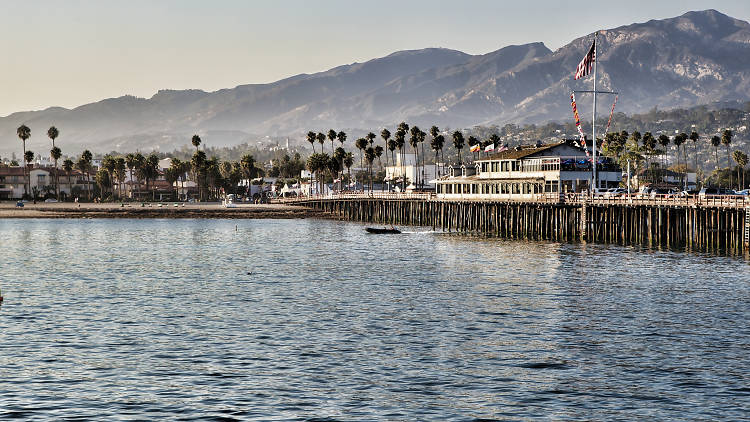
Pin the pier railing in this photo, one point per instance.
(709, 201)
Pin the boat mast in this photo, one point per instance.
(593, 122)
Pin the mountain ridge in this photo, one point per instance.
(697, 58)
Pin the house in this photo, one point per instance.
(41, 182)
(526, 171)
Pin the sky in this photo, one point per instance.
(69, 53)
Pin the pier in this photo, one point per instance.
(711, 224)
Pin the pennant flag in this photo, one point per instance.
(584, 67)
(489, 148)
(474, 148)
(582, 142)
(611, 113)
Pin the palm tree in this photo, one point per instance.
(741, 159)
(458, 143)
(726, 139)
(103, 180)
(379, 152)
(198, 167)
(321, 137)
(694, 137)
(56, 153)
(120, 174)
(68, 167)
(348, 161)
(332, 137)
(87, 156)
(370, 157)
(386, 135)
(196, 141)
(108, 164)
(24, 133)
(392, 145)
(53, 133)
(151, 171)
(339, 154)
(716, 141)
(414, 142)
(311, 138)
(437, 145)
(130, 164)
(400, 141)
(361, 145)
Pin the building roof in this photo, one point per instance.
(522, 151)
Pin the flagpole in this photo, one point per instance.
(593, 123)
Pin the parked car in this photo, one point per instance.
(665, 192)
(713, 191)
(19, 204)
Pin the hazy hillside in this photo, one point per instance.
(698, 58)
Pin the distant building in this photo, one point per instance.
(421, 176)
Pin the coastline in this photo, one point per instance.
(153, 210)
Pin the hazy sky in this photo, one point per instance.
(68, 53)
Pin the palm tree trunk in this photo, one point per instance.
(729, 167)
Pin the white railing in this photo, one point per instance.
(712, 201)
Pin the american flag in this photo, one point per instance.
(584, 67)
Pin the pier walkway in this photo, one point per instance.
(713, 223)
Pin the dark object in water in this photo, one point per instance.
(374, 230)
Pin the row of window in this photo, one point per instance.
(515, 165)
(497, 188)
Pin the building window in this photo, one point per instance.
(515, 166)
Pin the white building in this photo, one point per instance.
(526, 171)
(422, 175)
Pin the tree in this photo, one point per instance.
(386, 135)
(339, 156)
(694, 137)
(401, 131)
(726, 139)
(437, 145)
(361, 145)
(321, 137)
(332, 137)
(414, 142)
(716, 141)
(102, 179)
(84, 166)
(120, 174)
(741, 159)
(68, 167)
(24, 133)
(151, 171)
(130, 164)
(53, 133)
(196, 141)
(458, 143)
(311, 137)
(378, 153)
(108, 164)
(56, 153)
(28, 157)
(370, 157)
(348, 161)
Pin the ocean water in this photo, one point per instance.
(316, 320)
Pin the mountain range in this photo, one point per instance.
(700, 57)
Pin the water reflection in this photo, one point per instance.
(300, 319)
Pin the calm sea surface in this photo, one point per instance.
(316, 320)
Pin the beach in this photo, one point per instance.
(8, 209)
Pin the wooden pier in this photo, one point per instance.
(709, 227)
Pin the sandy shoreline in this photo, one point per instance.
(152, 210)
